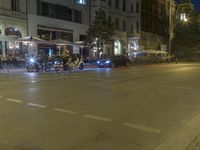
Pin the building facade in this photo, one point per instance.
(125, 15)
(156, 24)
(58, 19)
(139, 24)
(184, 9)
(13, 24)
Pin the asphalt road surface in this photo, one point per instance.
(135, 108)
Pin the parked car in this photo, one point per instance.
(118, 60)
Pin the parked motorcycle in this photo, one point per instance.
(34, 65)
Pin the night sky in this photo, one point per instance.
(196, 4)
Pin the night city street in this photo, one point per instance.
(134, 108)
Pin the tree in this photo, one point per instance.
(99, 32)
(186, 43)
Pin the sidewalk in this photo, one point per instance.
(195, 144)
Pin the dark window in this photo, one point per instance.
(15, 5)
(63, 12)
(110, 3)
(137, 27)
(124, 25)
(109, 19)
(131, 28)
(1, 48)
(137, 7)
(77, 16)
(117, 4)
(82, 37)
(131, 7)
(124, 5)
(116, 23)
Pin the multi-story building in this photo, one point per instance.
(125, 15)
(13, 23)
(58, 19)
(156, 19)
(184, 9)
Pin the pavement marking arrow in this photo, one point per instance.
(140, 127)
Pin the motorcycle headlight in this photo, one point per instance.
(32, 60)
(107, 62)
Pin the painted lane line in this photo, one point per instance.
(98, 118)
(142, 128)
(13, 100)
(65, 111)
(185, 88)
(166, 86)
(36, 105)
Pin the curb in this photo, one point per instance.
(183, 138)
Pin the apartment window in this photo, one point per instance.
(137, 27)
(124, 5)
(116, 23)
(137, 7)
(124, 25)
(117, 4)
(131, 7)
(77, 16)
(110, 3)
(131, 28)
(15, 5)
(109, 19)
(81, 2)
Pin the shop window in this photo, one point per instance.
(11, 31)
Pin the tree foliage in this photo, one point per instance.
(100, 32)
(187, 37)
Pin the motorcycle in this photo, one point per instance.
(74, 62)
(34, 65)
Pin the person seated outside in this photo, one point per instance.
(65, 56)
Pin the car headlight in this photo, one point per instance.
(107, 62)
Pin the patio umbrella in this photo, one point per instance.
(60, 42)
(31, 39)
(7, 38)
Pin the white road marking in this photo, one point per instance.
(13, 100)
(166, 86)
(65, 110)
(98, 118)
(186, 88)
(140, 127)
(36, 105)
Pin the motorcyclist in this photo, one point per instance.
(42, 59)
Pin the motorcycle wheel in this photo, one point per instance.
(30, 68)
